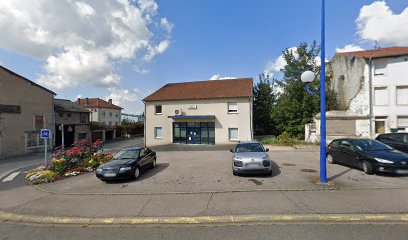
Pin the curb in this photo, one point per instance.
(211, 192)
(274, 218)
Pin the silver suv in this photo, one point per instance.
(250, 157)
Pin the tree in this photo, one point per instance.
(263, 103)
(294, 106)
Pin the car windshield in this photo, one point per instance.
(370, 145)
(126, 154)
(249, 147)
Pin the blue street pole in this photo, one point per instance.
(323, 174)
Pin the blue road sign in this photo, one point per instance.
(45, 133)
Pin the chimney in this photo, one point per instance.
(110, 102)
(87, 101)
(78, 101)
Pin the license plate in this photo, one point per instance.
(253, 164)
(109, 174)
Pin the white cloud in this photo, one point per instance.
(78, 96)
(155, 50)
(279, 63)
(84, 9)
(140, 70)
(120, 96)
(218, 77)
(81, 43)
(168, 26)
(377, 22)
(349, 48)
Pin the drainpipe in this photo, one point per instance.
(370, 85)
(53, 123)
(144, 123)
(251, 118)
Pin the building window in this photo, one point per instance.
(194, 132)
(233, 134)
(380, 67)
(380, 125)
(158, 132)
(110, 123)
(38, 122)
(402, 122)
(61, 115)
(110, 114)
(381, 96)
(117, 115)
(84, 118)
(81, 136)
(69, 115)
(232, 107)
(34, 140)
(158, 109)
(402, 95)
(103, 114)
(116, 123)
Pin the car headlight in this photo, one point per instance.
(380, 160)
(99, 170)
(124, 169)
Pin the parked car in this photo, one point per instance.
(250, 157)
(369, 155)
(127, 163)
(398, 141)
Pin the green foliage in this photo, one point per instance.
(263, 103)
(284, 139)
(294, 106)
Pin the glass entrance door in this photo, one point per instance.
(193, 135)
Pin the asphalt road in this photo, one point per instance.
(259, 231)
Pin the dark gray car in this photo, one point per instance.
(250, 157)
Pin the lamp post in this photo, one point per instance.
(307, 77)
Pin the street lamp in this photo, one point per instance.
(307, 77)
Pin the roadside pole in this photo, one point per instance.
(45, 134)
(62, 134)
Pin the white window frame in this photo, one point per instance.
(396, 95)
(155, 110)
(231, 108)
(155, 133)
(229, 134)
(398, 121)
(380, 67)
(34, 123)
(388, 95)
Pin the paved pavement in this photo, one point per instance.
(200, 183)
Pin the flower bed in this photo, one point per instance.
(82, 158)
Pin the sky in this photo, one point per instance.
(127, 49)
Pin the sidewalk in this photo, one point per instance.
(27, 200)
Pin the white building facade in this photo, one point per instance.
(207, 112)
(372, 93)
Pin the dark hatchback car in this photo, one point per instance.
(127, 164)
(369, 155)
(398, 141)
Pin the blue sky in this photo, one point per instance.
(180, 40)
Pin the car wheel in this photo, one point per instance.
(136, 174)
(330, 159)
(153, 163)
(270, 173)
(235, 173)
(368, 168)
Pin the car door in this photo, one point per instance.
(142, 157)
(346, 154)
(149, 156)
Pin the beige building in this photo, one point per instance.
(213, 112)
(25, 109)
